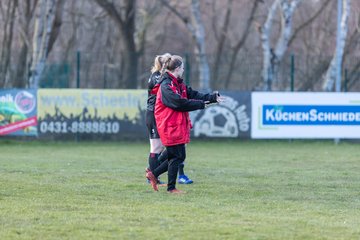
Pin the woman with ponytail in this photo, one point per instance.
(158, 152)
(173, 102)
(157, 155)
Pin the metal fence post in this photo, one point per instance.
(78, 69)
(77, 82)
(187, 69)
(292, 72)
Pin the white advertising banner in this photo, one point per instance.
(305, 115)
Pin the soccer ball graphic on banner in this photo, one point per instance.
(217, 121)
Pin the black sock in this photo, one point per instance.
(153, 161)
(181, 169)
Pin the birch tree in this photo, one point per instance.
(7, 13)
(198, 34)
(272, 56)
(353, 46)
(26, 11)
(336, 62)
(196, 28)
(47, 27)
(311, 38)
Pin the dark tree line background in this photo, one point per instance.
(230, 44)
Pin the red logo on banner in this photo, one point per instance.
(13, 127)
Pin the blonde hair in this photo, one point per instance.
(159, 62)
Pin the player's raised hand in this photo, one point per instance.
(219, 98)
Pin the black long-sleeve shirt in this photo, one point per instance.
(173, 96)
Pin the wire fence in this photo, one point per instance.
(98, 70)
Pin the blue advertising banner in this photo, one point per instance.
(310, 115)
(18, 112)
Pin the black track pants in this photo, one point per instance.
(176, 155)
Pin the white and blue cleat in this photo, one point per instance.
(183, 179)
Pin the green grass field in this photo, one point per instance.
(241, 190)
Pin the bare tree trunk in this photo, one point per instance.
(56, 24)
(26, 11)
(353, 76)
(240, 44)
(287, 12)
(272, 57)
(43, 33)
(309, 21)
(265, 42)
(7, 41)
(20, 75)
(198, 33)
(353, 73)
(125, 21)
(330, 76)
(196, 29)
(74, 20)
(221, 40)
(131, 54)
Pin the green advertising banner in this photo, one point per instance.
(89, 112)
(18, 112)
